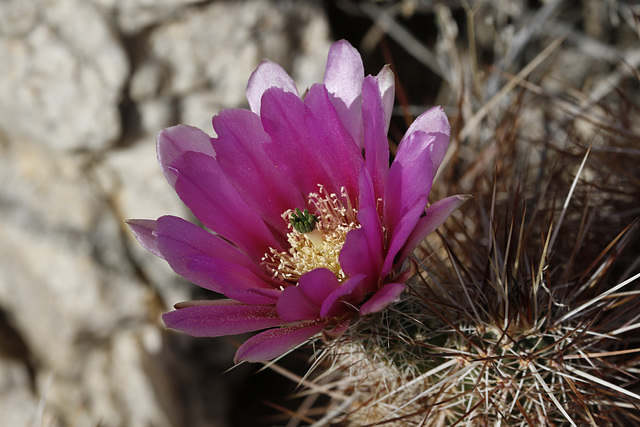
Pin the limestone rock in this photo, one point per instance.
(136, 15)
(84, 88)
(62, 75)
(210, 52)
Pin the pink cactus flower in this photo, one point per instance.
(310, 226)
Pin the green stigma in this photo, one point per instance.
(303, 222)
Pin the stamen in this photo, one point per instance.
(315, 239)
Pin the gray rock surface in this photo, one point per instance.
(84, 88)
(62, 77)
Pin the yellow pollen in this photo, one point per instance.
(321, 247)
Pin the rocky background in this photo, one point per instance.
(85, 85)
(84, 88)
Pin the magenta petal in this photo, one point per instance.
(252, 295)
(232, 280)
(303, 302)
(400, 235)
(294, 305)
(318, 284)
(343, 78)
(410, 177)
(435, 215)
(213, 200)
(174, 230)
(387, 87)
(242, 158)
(345, 298)
(362, 252)
(222, 318)
(274, 342)
(211, 262)
(333, 145)
(143, 231)
(174, 141)
(289, 149)
(354, 256)
(432, 122)
(205, 259)
(386, 295)
(267, 75)
(376, 146)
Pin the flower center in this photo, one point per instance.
(316, 239)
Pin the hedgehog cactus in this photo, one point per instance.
(512, 333)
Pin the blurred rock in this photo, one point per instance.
(113, 376)
(66, 281)
(18, 405)
(85, 89)
(61, 77)
(135, 15)
(210, 52)
(146, 82)
(17, 17)
(61, 253)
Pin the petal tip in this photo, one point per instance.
(385, 296)
(143, 230)
(268, 74)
